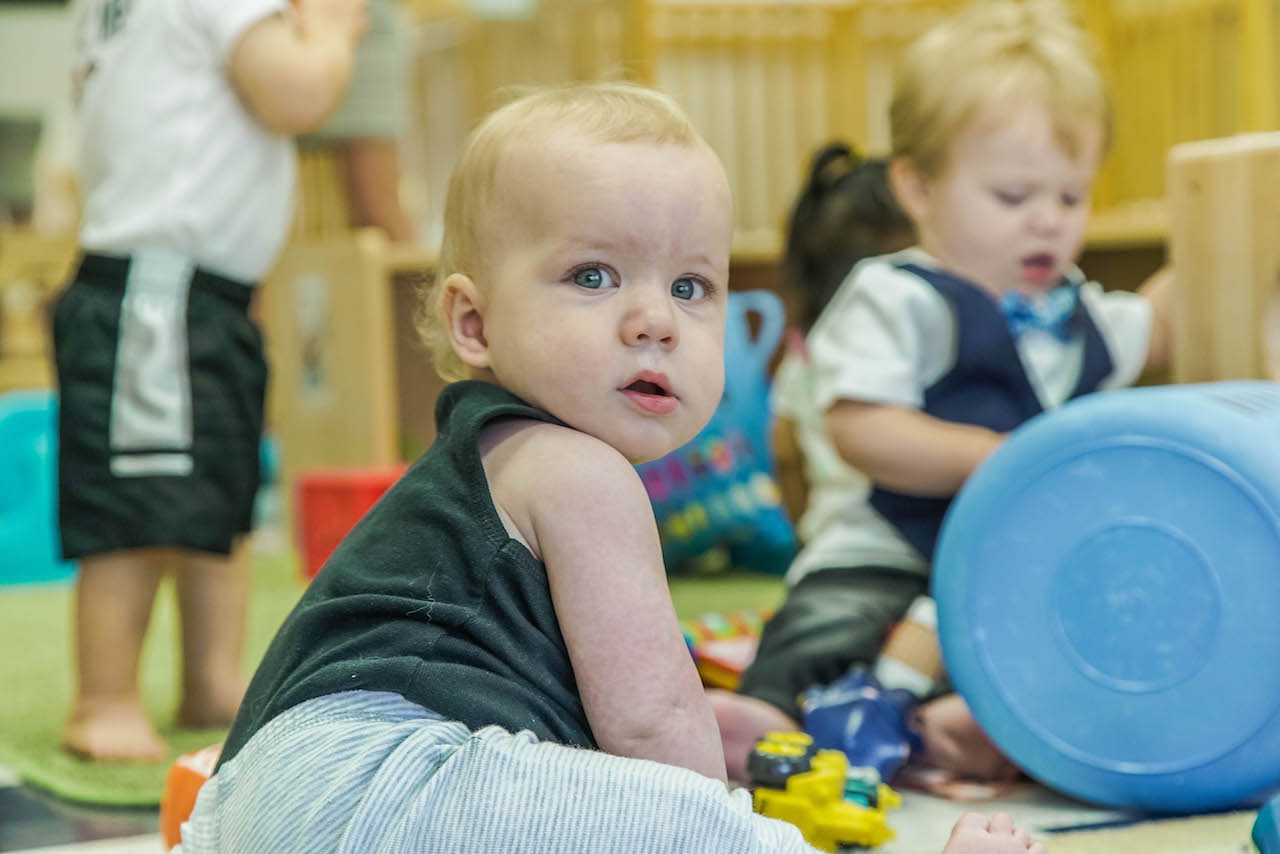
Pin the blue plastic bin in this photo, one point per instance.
(1108, 590)
(29, 550)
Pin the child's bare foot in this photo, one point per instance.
(213, 706)
(742, 721)
(973, 834)
(113, 732)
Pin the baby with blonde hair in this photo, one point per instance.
(926, 358)
(491, 661)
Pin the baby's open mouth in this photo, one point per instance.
(651, 392)
(646, 387)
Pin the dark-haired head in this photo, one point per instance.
(846, 212)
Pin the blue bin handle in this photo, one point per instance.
(747, 357)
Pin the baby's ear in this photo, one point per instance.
(462, 308)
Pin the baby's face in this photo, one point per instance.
(1009, 210)
(605, 303)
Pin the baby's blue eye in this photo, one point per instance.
(1011, 199)
(687, 288)
(1070, 199)
(593, 278)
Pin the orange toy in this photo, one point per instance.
(186, 775)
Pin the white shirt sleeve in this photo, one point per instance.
(225, 21)
(885, 337)
(1124, 319)
(789, 395)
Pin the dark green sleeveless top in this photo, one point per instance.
(429, 598)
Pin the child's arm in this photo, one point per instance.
(581, 508)
(1158, 289)
(906, 450)
(291, 74)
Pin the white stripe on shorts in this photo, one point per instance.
(151, 389)
(143, 465)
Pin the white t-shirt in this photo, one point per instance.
(169, 157)
(886, 337)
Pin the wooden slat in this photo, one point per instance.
(1224, 217)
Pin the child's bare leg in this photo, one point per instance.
(742, 721)
(372, 169)
(114, 596)
(973, 834)
(213, 600)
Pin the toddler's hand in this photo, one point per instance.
(954, 742)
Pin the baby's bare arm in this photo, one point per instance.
(292, 74)
(907, 450)
(587, 516)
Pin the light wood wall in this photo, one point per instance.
(767, 82)
(1182, 70)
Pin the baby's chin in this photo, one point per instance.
(640, 456)
(638, 453)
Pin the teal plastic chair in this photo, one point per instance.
(29, 550)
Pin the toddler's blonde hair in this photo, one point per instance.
(606, 112)
(991, 54)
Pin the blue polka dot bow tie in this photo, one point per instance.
(1049, 313)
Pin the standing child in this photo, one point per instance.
(187, 174)
(926, 358)
(490, 661)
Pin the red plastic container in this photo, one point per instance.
(330, 502)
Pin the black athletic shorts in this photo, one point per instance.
(162, 380)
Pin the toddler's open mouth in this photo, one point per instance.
(1038, 269)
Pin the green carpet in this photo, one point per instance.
(35, 623)
(36, 668)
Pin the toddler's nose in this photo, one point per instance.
(1048, 216)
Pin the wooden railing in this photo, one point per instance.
(768, 82)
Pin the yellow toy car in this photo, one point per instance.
(832, 804)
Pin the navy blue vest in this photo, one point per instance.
(987, 386)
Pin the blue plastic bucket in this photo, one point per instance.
(29, 550)
(1108, 589)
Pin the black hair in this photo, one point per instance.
(845, 212)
